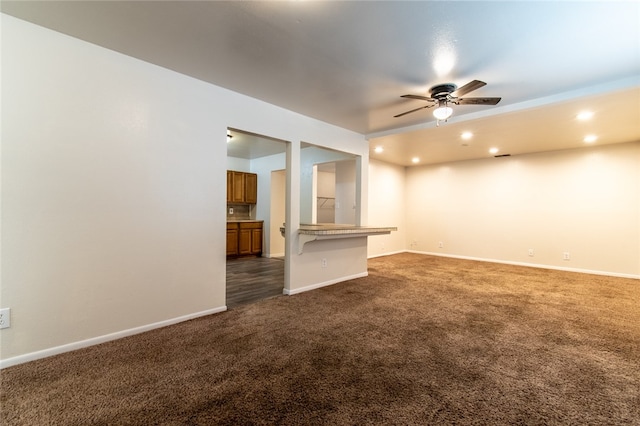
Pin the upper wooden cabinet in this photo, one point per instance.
(237, 188)
(251, 188)
(242, 187)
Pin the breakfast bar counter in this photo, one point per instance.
(326, 231)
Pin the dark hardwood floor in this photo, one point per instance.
(250, 279)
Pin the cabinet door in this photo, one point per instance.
(237, 195)
(232, 242)
(251, 188)
(256, 241)
(229, 186)
(244, 241)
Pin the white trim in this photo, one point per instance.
(20, 359)
(532, 265)
(387, 254)
(323, 284)
(270, 255)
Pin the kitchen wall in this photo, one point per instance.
(238, 164)
(114, 193)
(271, 200)
(582, 201)
(277, 214)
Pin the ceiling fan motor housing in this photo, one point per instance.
(442, 90)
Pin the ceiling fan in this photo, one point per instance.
(442, 95)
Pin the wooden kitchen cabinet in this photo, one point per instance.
(232, 238)
(251, 188)
(229, 186)
(244, 238)
(242, 188)
(237, 189)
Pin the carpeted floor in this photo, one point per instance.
(422, 340)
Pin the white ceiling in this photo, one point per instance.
(347, 63)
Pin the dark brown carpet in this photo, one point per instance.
(422, 340)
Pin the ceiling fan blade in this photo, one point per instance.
(413, 110)
(469, 87)
(478, 101)
(421, 98)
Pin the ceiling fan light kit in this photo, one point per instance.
(443, 111)
(444, 94)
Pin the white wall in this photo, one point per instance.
(326, 187)
(113, 192)
(277, 218)
(110, 194)
(345, 257)
(326, 184)
(270, 202)
(345, 211)
(239, 164)
(310, 156)
(584, 201)
(387, 207)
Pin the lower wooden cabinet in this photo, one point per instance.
(232, 239)
(244, 238)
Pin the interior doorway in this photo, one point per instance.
(255, 274)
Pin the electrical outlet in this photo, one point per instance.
(531, 252)
(323, 262)
(441, 244)
(5, 317)
(566, 255)
(230, 210)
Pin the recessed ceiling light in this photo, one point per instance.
(379, 149)
(415, 160)
(590, 138)
(466, 135)
(584, 115)
(493, 150)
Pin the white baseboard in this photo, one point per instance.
(323, 284)
(275, 255)
(387, 254)
(532, 265)
(20, 359)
